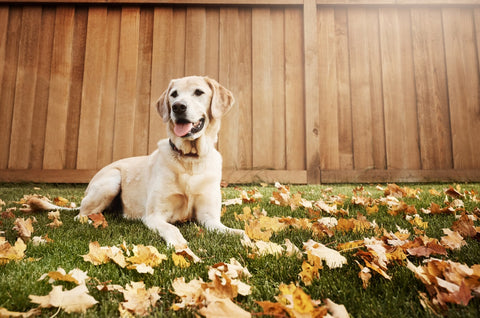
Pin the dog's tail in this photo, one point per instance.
(37, 204)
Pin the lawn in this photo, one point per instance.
(389, 233)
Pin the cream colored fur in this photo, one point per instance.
(172, 184)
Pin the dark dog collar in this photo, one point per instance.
(178, 151)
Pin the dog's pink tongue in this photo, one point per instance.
(182, 129)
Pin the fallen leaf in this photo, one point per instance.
(332, 258)
(180, 261)
(55, 217)
(11, 253)
(31, 313)
(138, 299)
(76, 276)
(98, 220)
(453, 240)
(464, 226)
(222, 307)
(73, 300)
(24, 227)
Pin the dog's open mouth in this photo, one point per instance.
(184, 128)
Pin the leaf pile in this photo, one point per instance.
(376, 237)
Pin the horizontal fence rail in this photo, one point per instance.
(326, 91)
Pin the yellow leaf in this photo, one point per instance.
(309, 273)
(147, 255)
(222, 307)
(11, 253)
(180, 261)
(254, 231)
(97, 255)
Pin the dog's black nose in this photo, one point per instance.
(179, 108)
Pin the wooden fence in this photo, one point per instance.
(326, 91)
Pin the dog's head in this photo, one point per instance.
(191, 105)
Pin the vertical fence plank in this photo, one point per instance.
(366, 91)
(235, 73)
(431, 89)
(93, 80)
(345, 141)
(76, 84)
(127, 83)
(399, 89)
(59, 92)
(4, 109)
(9, 70)
(25, 89)
(294, 86)
(262, 92)
(463, 86)
(328, 108)
(311, 93)
(195, 41)
(142, 111)
(212, 44)
(277, 56)
(47, 29)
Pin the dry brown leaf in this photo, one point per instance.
(73, 300)
(98, 220)
(332, 258)
(138, 299)
(31, 313)
(453, 240)
(76, 276)
(464, 226)
(11, 253)
(24, 227)
(55, 217)
(222, 307)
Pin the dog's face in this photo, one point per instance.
(191, 103)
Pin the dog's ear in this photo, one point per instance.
(163, 104)
(222, 98)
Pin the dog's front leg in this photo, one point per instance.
(208, 213)
(169, 232)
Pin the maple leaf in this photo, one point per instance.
(74, 300)
(452, 240)
(447, 281)
(364, 275)
(221, 307)
(309, 272)
(138, 299)
(97, 255)
(24, 227)
(11, 253)
(294, 302)
(180, 261)
(98, 220)
(190, 293)
(464, 226)
(147, 255)
(76, 276)
(31, 313)
(254, 230)
(55, 217)
(60, 201)
(332, 258)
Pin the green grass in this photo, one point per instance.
(383, 298)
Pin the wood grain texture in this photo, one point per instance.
(322, 91)
(431, 89)
(463, 86)
(59, 89)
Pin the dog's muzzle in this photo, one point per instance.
(185, 128)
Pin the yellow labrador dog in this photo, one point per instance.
(181, 179)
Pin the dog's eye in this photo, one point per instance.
(174, 94)
(199, 92)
